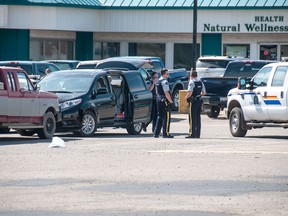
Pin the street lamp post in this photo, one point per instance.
(194, 51)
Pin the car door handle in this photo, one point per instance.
(136, 96)
(112, 98)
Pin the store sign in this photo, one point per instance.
(261, 24)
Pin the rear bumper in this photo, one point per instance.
(215, 101)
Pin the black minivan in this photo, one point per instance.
(91, 99)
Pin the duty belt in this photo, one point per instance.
(162, 98)
(196, 97)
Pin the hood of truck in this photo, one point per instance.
(44, 94)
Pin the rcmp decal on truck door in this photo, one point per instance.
(271, 100)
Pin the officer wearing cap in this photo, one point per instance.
(195, 90)
(164, 101)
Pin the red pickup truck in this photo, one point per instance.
(24, 108)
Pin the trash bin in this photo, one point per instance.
(183, 106)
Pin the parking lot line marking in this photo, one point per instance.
(218, 152)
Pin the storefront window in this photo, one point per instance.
(239, 50)
(183, 55)
(104, 50)
(147, 49)
(284, 51)
(51, 49)
(36, 50)
(268, 52)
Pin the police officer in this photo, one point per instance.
(164, 101)
(195, 90)
(152, 87)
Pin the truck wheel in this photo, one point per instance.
(89, 124)
(4, 130)
(175, 98)
(26, 132)
(49, 126)
(134, 129)
(212, 111)
(235, 123)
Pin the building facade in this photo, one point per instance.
(84, 30)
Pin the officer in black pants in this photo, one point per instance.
(164, 102)
(195, 90)
(152, 87)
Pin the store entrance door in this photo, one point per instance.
(273, 51)
(268, 52)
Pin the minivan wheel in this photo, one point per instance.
(134, 129)
(26, 132)
(89, 124)
(235, 123)
(49, 126)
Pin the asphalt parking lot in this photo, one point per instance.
(117, 174)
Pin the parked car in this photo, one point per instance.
(217, 88)
(178, 78)
(91, 64)
(24, 108)
(260, 102)
(35, 69)
(213, 66)
(65, 64)
(91, 99)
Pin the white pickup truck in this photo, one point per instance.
(261, 102)
(24, 108)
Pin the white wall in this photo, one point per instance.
(156, 21)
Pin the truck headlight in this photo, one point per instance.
(70, 103)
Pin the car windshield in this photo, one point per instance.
(209, 63)
(63, 65)
(247, 69)
(86, 66)
(62, 83)
(26, 67)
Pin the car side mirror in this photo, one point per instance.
(102, 90)
(242, 82)
(251, 85)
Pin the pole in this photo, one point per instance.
(194, 51)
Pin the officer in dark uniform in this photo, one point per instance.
(151, 84)
(164, 102)
(195, 90)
